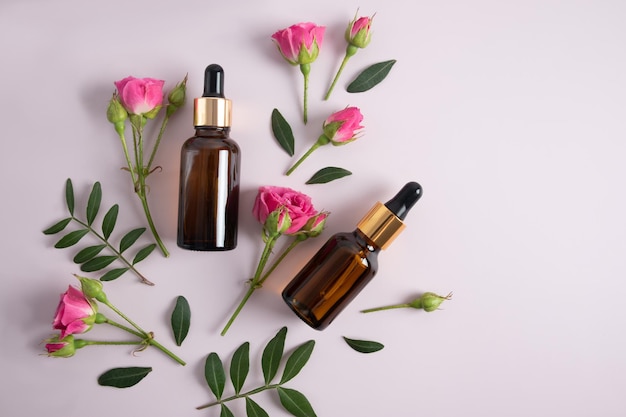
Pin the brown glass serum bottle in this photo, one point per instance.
(347, 261)
(208, 201)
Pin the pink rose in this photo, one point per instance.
(140, 95)
(358, 32)
(75, 313)
(341, 127)
(300, 43)
(298, 205)
(61, 348)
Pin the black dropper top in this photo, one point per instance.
(213, 81)
(402, 202)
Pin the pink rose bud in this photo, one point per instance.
(75, 313)
(298, 206)
(300, 44)
(358, 32)
(61, 348)
(92, 288)
(315, 225)
(176, 97)
(141, 96)
(117, 114)
(277, 222)
(343, 126)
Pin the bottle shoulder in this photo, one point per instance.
(206, 142)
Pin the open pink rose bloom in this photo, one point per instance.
(75, 313)
(343, 126)
(140, 95)
(300, 43)
(298, 205)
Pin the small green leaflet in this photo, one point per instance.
(370, 76)
(273, 352)
(295, 402)
(297, 360)
(225, 412)
(71, 238)
(130, 238)
(93, 204)
(143, 253)
(282, 132)
(181, 318)
(123, 377)
(214, 374)
(254, 410)
(328, 174)
(239, 366)
(108, 223)
(69, 196)
(363, 346)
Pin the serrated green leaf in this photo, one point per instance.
(214, 374)
(239, 366)
(98, 263)
(225, 411)
(282, 132)
(71, 238)
(123, 377)
(254, 410)
(181, 319)
(364, 346)
(370, 76)
(295, 402)
(328, 174)
(113, 274)
(108, 223)
(93, 203)
(57, 227)
(88, 253)
(143, 253)
(130, 238)
(273, 352)
(69, 196)
(297, 360)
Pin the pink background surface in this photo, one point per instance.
(510, 115)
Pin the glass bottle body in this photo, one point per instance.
(332, 278)
(208, 201)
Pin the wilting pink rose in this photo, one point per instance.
(300, 43)
(140, 95)
(358, 32)
(342, 127)
(75, 313)
(298, 206)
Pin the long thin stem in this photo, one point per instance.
(305, 69)
(391, 307)
(158, 142)
(115, 251)
(341, 67)
(278, 260)
(127, 156)
(305, 156)
(234, 397)
(254, 282)
(103, 342)
(125, 328)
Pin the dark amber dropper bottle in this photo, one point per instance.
(208, 200)
(347, 261)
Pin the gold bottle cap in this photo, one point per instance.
(381, 225)
(212, 111)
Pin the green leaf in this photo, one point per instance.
(181, 318)
(328, 174)
(214, 374)
(239, 366)
(273, 352)
(108, 223)
(225, 412)
(98, 263)
(93, 204)
(69, 196)
(254, 410)
(297, 360)
(71, 238)
(282, 132)
(130, 238)
(370, 76)
(113, 274)
(88, 253)
(143, 253)
(295, 402)
(123, 377)
(364, 346)
(57, 227)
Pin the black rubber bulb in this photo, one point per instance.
(213, 81)
(402, 202)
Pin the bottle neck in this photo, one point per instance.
(364, 241)
(213, 132)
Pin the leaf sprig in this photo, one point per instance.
(89, 258)
(293, 401)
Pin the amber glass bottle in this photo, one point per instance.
(347, 261)
(208, 201)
